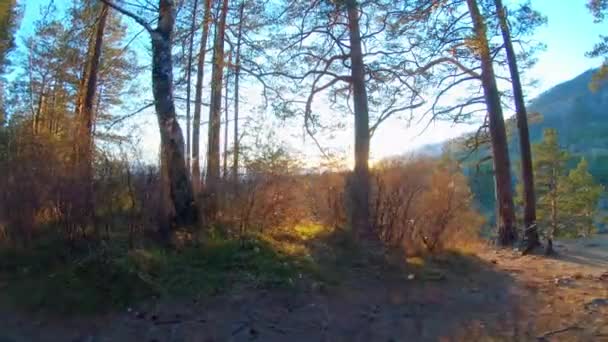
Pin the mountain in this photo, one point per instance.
(580, 116)
(429, 150)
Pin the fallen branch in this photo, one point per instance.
(544, 336)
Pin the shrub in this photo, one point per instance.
(423, 205)
(272, 193)
(326, 198)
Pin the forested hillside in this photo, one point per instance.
(576, 109)
(580, 115)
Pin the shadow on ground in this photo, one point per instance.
(356, 294)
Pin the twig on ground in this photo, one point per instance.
(544, 336)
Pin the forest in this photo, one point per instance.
(198, 170)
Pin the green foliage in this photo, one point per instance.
(215, 265)
(571, 108)
(90, 279)
(481, 182)
(599, 9)
(566, 201)
(549, 163)
(53, 276)
(549, 166)
(580, 195)
(9, 16)
(50, 73)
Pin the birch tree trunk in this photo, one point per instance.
(178, 201)
(178, 207)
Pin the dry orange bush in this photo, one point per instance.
(423, 205)
(31, 185)
(41, 194)
(326, 198)
(268, 200)
(420, 205)
(270, 194)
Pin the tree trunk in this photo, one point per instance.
(189, 82)
(360, 180)
(527, 174)
(226, 118)
(84, 144)
(237, 73)
(38, 113)
(178, 202)
(549, 249)
(215, 111)
(198, 98)
(53, 113)
(196, 120)
(502, 167)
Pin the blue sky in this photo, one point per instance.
(569, 33)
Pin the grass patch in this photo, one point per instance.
(416, 261)
(310, 231)
(69, 281)
(52, 277)
(215, 265)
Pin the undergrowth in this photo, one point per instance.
(50, 276)
(92, 278)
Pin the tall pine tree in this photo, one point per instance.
(549, 168)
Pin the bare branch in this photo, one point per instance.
(129, 14)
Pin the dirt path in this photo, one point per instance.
(563, 298)
(591, 252)
(497, 296)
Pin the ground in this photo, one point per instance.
(491, 295)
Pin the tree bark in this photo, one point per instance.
(553, 228)
(177, 207)
(360, 180)
(527, 174)
(189, 82)
(196, 120)
(215, 112)
(237, 73)
(226, 118)
(38, 113)
(502, 166)
(84, 145)
(178, 201)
